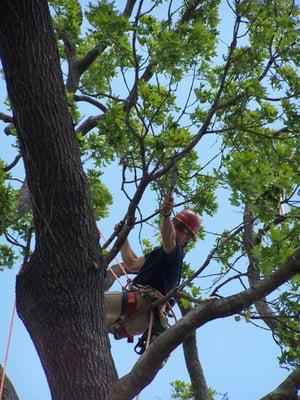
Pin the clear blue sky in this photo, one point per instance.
(237, 358)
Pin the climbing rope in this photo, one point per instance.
(10, 332)
(149, 330)
(128, 280)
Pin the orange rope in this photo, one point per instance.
(148, 339)
(115, 276)
(149, 330)
(120, 265)
(7, 349)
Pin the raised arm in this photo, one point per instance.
(167, 229)
(132, 262)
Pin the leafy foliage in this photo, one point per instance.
(166, 89)
(184, 391)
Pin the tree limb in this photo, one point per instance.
(73, 74)
(89, 124)
(13, 164)
(288, 389)
(6, 118)
(149, 363)
(129, 8)
(193, 364)
(250, 239)
(92, 101)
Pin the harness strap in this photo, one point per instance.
(129, 306)
(124, 303)
(131, 302)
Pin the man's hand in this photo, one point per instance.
(167, 228)
(118, 226)
(167, 206)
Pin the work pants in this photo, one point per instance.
(136, 323)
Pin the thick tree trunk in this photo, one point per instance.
(58, 291)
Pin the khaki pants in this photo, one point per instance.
(134, 324)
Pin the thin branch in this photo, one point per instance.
(92, 101)
(89, 124)
(13, 241)
(13, 164)
(6, 118)
(281, 98)
(214, 292)
(89, 58)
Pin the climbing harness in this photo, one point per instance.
(159, 316)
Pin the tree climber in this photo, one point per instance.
(157, 273)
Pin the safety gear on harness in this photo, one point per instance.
(129, 306)
(140, 347)
(133, 298)
(190, 219)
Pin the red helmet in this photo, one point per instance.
(190, 219)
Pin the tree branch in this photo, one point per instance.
(92, 101)
(129, 8)
(288, 389)
(73, 74)
(89, 124)
(250, 239)
(193, 364)
(13, 164)
(149, 363)
(6, 118)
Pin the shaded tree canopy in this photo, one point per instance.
(149, 88)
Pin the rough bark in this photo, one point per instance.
(58, 291)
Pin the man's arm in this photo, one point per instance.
(167, 229)
(132, 262)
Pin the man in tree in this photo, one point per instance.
(158, 273)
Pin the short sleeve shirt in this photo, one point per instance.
(161, 271)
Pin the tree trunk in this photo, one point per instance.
(58, 291)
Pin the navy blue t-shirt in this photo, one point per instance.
(161, 271)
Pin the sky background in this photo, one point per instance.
(238, 359)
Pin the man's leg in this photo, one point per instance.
(113, 307)
(138, 322)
